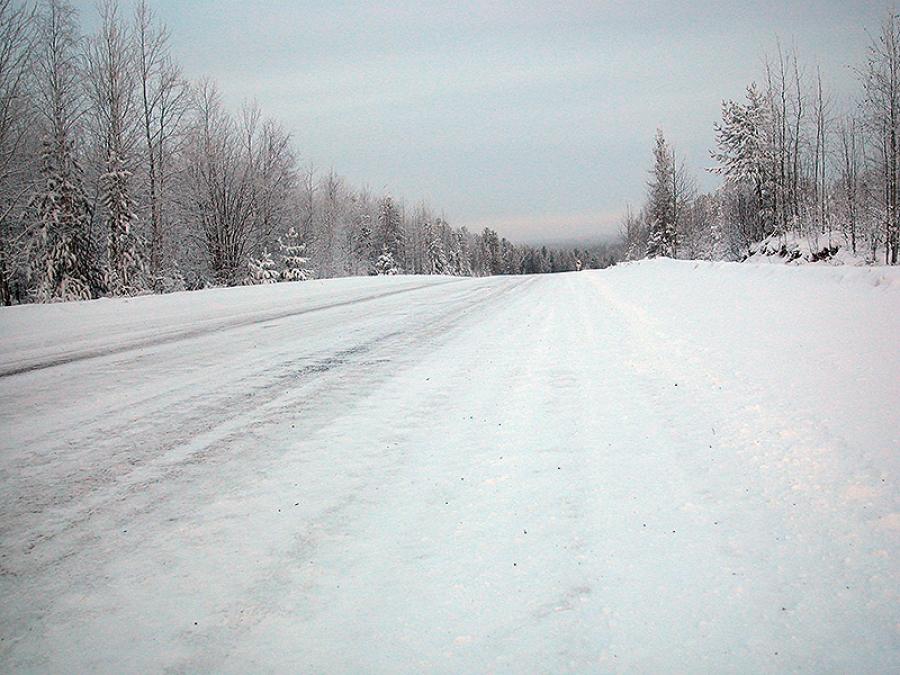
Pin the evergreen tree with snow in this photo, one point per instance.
(110, 57)
(390, 233)
(262, 270)
(62, 248)
(293, 258)
(125, 271)
(386, 265)
(62, 261)
(745, 160)
(456, 259)
(661, 208)
(437, 259)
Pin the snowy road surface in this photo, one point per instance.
(663, 467)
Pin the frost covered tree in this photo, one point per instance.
(662, 203)
(489, 248)
(18, 24)
(112, 60)
(437, 259)
(294, 262)
(63, 266)
(634, 234)
(457, 257)
(850, 182)
(262, 270)
(241, 182)
(390, 236)
(745, 161)
(125, 271)
(386, 265)
(163, 99)
(881, 80)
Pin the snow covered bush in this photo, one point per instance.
(262, 270)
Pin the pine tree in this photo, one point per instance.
(661, 209)
(437, 259)
(745, 160)
(62, 256)
(390, 233)
(262, 270)
(125, 272)
(293, 258)
(63, 213)
(110, 58)
(456, 259)
(386, 265)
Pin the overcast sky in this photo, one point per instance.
(536, 118)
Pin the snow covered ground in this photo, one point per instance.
(663, 467)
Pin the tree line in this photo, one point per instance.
(803, 175)
(119, 176)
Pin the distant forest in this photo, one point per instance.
(804, 176)
(118, 176)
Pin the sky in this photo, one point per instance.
(534, 118)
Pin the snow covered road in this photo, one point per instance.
(663, 467)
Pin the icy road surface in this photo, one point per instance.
(660, 468)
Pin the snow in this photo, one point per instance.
(663, 467)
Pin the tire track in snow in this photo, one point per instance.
(51, 506)
(163, 336)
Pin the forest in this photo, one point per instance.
(119, 176)
(805, 177)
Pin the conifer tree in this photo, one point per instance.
(386, 265)
(293, 258)
(125, 271)
(63, 250)
(661, 209)
(262, 270)
(63, 264)
(390, 233)
(745, 161)
(435, 254)
(111, 59)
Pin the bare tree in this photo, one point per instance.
(17, 40)
(881, 79)
(242, 182)
(822, 117)
(850, 168)
(163, 99)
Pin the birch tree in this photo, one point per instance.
(881, 79)
(163, 99)
(242, 181)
